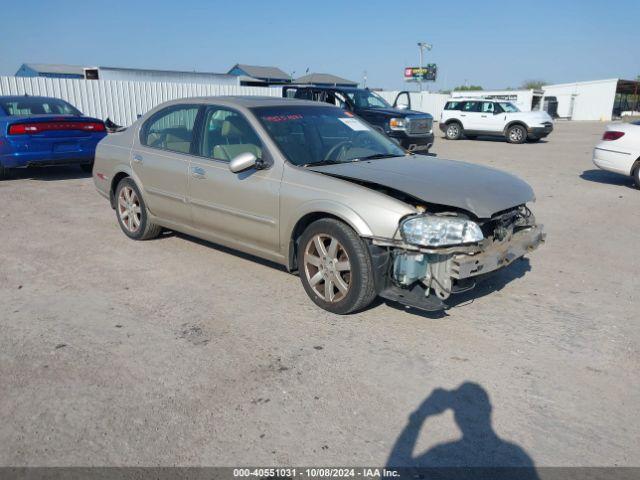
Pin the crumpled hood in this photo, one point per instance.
(480, 190)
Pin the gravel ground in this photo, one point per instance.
(178, 352)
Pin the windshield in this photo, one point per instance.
(27, 106)
(323, 135)
(367, 99)
(509, 107)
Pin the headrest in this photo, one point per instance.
(232, 127)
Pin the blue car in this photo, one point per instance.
(41, 131)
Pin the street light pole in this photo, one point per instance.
(422, 46)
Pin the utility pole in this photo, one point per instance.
(422, 46)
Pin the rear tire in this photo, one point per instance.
(335, 267)
(516, 134)
(4, 173)
(453, 131)
(636, 175)
(87, 167)
(132, 213)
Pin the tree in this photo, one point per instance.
(468, 88)
(533, 84)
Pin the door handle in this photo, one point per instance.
(138, 158)
(484, 116)
(463, 115)
(198, 172)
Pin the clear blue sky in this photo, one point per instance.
(492, 43)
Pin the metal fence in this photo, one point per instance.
(120, 101)
(123, 101)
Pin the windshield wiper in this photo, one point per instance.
(321, 162)
(376, 156)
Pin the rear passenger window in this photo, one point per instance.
(452, 106)
(470, 106)
(171, 128)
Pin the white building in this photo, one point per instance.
(592, 100)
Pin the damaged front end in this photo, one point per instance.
(437, 255)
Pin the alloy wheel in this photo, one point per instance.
(129, 209)
(327, 268)
(516, 134)
(452, 131)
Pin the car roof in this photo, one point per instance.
(17, 98)
(326, 87)
(251, 101)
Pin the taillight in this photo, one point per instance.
(31, 128)
(612, 135)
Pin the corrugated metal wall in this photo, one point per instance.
(121, 101)
(432, 103)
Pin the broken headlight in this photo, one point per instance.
(434, 231)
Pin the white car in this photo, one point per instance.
(619, 150)
(476, 116)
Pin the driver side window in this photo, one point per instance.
(226, 134)
(487, 107)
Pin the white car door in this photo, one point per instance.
(470, 115)
(492, 117)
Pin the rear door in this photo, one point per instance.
(160, 160)
(241, 208)
(470, 115)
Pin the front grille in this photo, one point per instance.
(419, 126)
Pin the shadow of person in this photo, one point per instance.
(480, 453)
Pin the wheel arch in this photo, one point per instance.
(115, 180)
(310, 215)
(515, 122)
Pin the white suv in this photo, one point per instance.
(476, 116)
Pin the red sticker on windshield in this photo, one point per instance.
(283, 118)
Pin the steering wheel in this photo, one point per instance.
(341, 147)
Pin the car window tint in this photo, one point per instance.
(227, 134)
(37, 106)
(452, 106)
(470, 106)
(171, 128)
(487, 107)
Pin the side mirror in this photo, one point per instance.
(243, 161)
(497, 113)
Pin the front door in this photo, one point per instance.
(241, 208)
(492, 117)
(160, 160)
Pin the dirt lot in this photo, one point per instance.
(175, 351)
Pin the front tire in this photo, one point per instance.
(516, 134)
(453, 131)
(132, 213)
(87, 167)
(4, 173)
(636, 175)
(335, 267)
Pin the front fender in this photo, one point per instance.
(331, 208)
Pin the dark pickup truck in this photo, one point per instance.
(413, 130)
